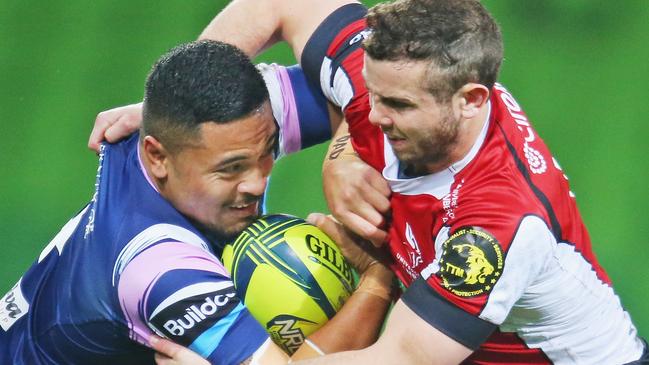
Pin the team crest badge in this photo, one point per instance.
(471, 262)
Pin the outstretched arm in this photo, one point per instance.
(251, 25)
(407, 340)
(355, 326)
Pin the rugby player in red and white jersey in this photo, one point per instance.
(484, 230)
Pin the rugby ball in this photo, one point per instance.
(290, 275)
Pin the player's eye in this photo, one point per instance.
(232, 169)
(396, 104)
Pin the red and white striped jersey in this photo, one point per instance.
(493, 248)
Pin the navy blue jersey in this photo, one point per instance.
(129, 265)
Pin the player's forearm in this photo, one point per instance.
(340, 146)
(253, 25)
(355, 326)
(358, 323)
(357, 195)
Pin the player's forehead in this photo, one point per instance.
(252, 134)
(400, 79)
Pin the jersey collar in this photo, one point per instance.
(146, 175)
(437, 184)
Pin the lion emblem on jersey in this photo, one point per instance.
(479, 266)
(471, 262)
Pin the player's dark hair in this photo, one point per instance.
(199, 82)
(459, 37)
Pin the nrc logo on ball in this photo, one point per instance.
(286, 332)
(189, 317)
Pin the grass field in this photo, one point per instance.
(579, 68)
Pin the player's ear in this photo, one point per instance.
(156, 155)
(470, 98)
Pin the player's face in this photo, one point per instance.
(420, 130)
(219, 183)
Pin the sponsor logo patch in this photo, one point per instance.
(471, 262)
(535, 159)
(415, 252)
(188, 318)
(12, 307)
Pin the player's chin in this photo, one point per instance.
(238, 223)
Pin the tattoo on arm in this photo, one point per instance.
(338, 146)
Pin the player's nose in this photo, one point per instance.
(379, 118)
(256, 181)
(254, 185)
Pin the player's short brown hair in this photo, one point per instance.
(459, 37)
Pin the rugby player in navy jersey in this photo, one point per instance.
(484, 229)
(141, 257)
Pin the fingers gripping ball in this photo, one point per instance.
(291, 276)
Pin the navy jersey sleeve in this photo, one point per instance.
(299, 108)
(183, 292)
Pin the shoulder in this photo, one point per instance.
(495, 198)
(184, 293)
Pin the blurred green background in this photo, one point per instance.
(579, 68)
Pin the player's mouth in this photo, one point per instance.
(396, 142)
(245, 209)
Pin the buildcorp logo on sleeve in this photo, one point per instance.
(187, 318)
